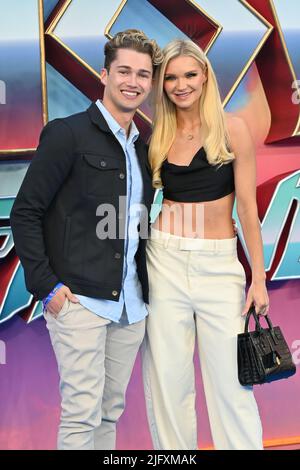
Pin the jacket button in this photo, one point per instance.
(103, 163)
(115, 293)
(117, 255)
(122, 176)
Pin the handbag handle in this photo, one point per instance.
(256, 316)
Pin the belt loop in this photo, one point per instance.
(166, 242)
(216, 246)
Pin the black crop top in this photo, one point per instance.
(198, 182)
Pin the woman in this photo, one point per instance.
(203, 159)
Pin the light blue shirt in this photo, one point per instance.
(131, 293)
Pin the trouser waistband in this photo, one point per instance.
(193, 244)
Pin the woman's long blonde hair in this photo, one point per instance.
(210, 110)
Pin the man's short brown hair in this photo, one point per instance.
(136, 40)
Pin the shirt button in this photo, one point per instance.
(115, 293)
(103, 163)
(122, 176)
(118, 255)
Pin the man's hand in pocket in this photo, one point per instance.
(56, 303)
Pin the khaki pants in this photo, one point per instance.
(95, 359)
(197, 291)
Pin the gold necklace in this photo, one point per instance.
(189, 136)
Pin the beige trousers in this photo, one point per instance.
(197, 292)
(95, 359)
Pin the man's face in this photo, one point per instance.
(129, 80)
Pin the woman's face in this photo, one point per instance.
(183, 81)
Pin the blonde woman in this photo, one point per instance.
(203, 159)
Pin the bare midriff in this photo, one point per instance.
(210, 219)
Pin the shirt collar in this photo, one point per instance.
(115, 126)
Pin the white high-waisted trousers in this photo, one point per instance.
(196, 286)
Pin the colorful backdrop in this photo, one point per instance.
(51, 53)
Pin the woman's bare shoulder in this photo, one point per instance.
(238, 132)
(235, 124)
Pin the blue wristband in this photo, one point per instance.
(47, 299)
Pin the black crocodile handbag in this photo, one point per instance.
(263, 354)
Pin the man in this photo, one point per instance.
(94, 288)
